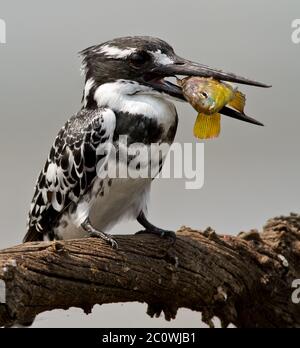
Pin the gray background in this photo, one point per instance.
(251, 173)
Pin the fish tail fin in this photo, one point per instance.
(207, 126)
(238, 102)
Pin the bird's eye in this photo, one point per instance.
(204, 94)
(138, 59)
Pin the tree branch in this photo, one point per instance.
(244, 280)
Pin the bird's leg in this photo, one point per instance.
(149, 228)
(92, 232)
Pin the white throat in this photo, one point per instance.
(131, 97)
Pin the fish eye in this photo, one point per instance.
(138, 59)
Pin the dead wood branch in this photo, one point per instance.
(244, 280)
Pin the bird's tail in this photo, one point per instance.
(33, 235)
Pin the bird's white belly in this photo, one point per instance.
(123, 199)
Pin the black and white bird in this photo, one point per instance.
(125, 93)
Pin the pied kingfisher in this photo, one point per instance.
(125, 93)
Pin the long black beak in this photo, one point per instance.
(185, 67)
(239, 116)
(188, 68)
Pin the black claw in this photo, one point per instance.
(109, 239)
(149, 228)
(170, 234)
(159, 232)
(113, 243)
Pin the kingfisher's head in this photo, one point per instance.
(140, 65)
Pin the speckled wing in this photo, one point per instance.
(70, 168)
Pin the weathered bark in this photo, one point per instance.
(244, 280)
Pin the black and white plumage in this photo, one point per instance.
(65, 182)
(125, 94)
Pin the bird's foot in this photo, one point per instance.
(149, 228)
(92, 232)
(159, 232)
(106, 237)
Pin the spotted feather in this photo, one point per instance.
(70, 169)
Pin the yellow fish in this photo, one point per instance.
(208, 97)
